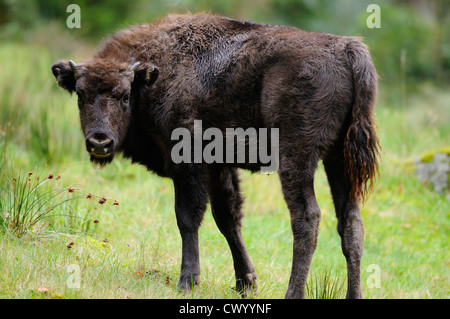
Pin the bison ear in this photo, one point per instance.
(146, 74)
(63, 72)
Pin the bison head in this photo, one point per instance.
(104, 93)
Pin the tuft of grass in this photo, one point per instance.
(26, 200)
(325, 285)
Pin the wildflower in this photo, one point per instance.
(102, 200)
(42, 290)
(15, 179)
(89, 196)
(105, 240)
(71, 190)
(50, 176)
(58, 177)
(30, 173)
(116, 203)
(138, 274)
(96, 221)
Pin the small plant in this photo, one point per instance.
(325, 285)
(27, 199)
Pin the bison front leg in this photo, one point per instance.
(190, 205)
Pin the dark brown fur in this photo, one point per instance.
(318, 89)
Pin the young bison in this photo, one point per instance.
(317, 89)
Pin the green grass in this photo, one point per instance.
(134, 251)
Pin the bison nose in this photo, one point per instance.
(99, 144)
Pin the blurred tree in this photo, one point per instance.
(299, 13)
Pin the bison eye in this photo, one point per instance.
(125, 99)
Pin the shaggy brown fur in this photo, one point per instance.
(318, 89)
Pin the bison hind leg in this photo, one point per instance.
(226, 201)
(350, 226)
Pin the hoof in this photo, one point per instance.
(187, 282)
(246, 285)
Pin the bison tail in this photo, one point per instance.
(361, 146)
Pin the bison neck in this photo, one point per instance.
(144, 148)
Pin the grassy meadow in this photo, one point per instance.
(68, 230)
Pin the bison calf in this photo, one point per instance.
(317, 89)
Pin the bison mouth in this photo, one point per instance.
(101, 159)
(101, 148)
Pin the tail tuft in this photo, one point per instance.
(362, 147)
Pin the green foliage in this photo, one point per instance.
(403, 29)
(30, 115)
